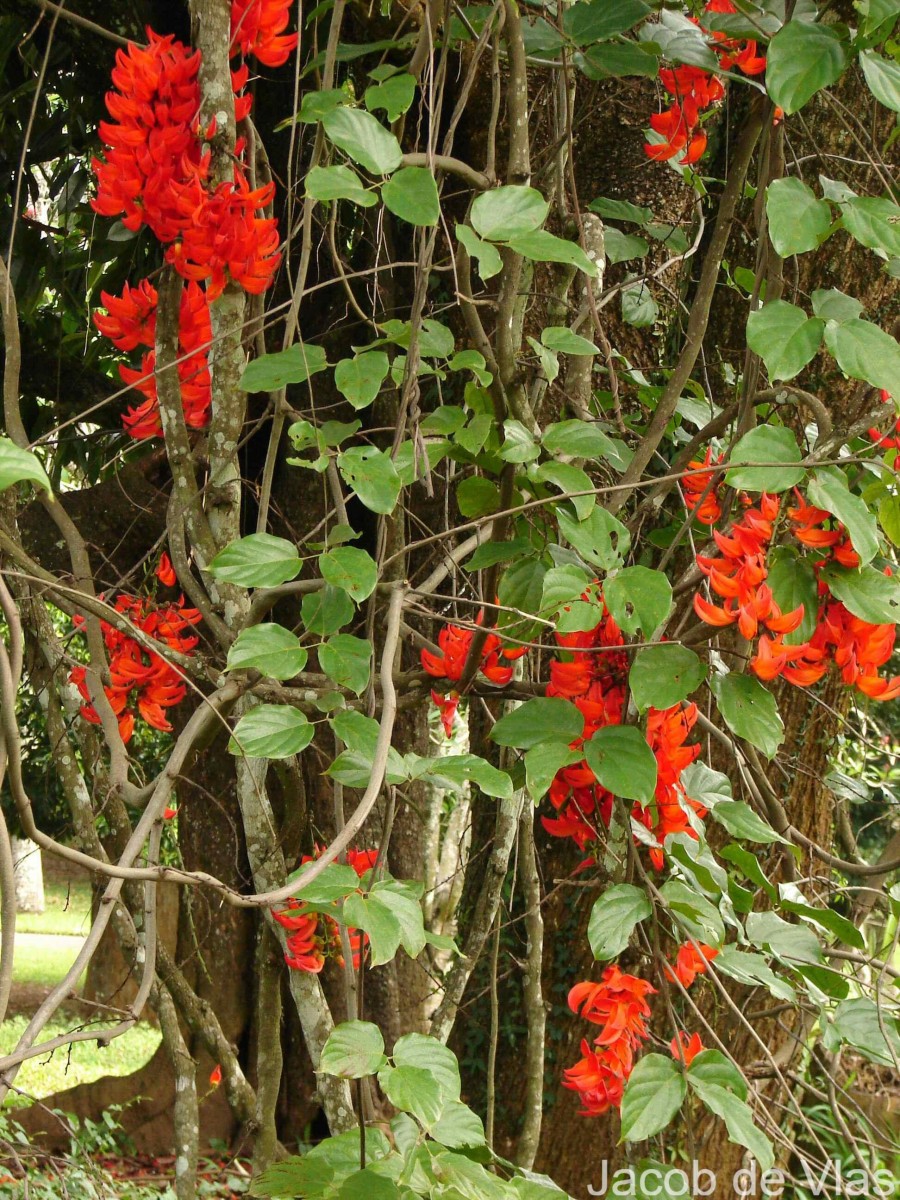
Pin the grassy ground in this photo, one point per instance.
(46, 946)
(68, 910)
(43, 958)
(80, 1063)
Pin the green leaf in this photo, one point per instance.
(863, 351)
(803, 58)
(335, 882)
(793, 582)
(403, 899)
(351, 569)
(412, 195)
(370, 473)
(622, 762)
(621, 210)
(797, 220)
(661, 676)
(353, 1049)
(297, 364)
(766, 444)
(542, 246)
(497, 552)
(828, 489)
(873, 221)
(655, 1092)
(518, 445)
(579, 439)
(564, 341)
(393, 96)
(693, 912)
(638, 598)
(883, 77)
(876, 13)
(614, 917)
(378, 921)
(367, 1184)
(784, 338)
(620, 247)
(364, 139)
(711, 1066)
(833, 305)
(504, 212)
(601, 539)
(562, 585)
(269, 648)
(258, 560)
(539, 720)
(705, 785)
(271, 731)
(456, 770)
(420, 1050)
(749, 711)
(638, 306)
(738, 1120)
(315, 105)
(542, 762)
(611, 59)
(857, 1021)
(338, 183)
(18, 465)
(345, 660)
(458, 1127)
(489, 261)
(596, 20)
(359, 379)
(741, 821)
(326, 610)
(477, 496)
(792, 943)
(570, 480)
(753, 970)
(548, 359)
(413, 1090)
(866, 592)
(889, 518)
(792, 900)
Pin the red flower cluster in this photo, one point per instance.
(454, 643)
(595, 679)
(312, 936)
(257, 27)
(131, 322)
(156, 172)
(858, 648)
(619, 1005)
(694, 90)
(141, 679)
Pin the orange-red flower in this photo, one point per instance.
(454, 643)
(685, 1048)
(257, 27)
(704, 508)
(165, 572)
(618, 1003)
(692, 960)
(140, 678)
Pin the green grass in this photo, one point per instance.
(82, 1062)
(68, 910)
(43, 959)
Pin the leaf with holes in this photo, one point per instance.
(351, 569)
